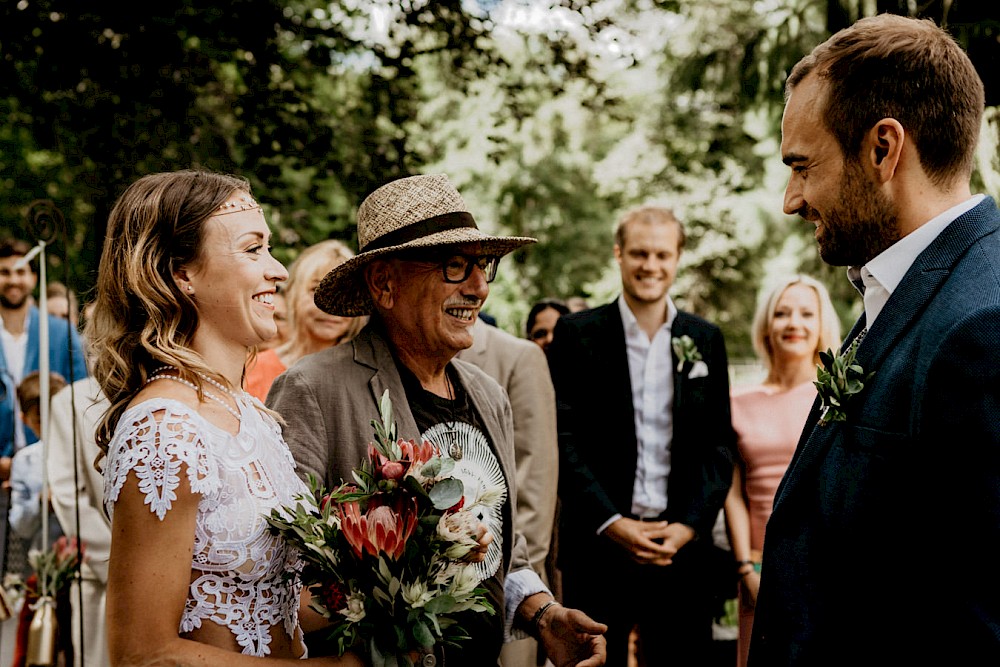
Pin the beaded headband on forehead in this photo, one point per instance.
(238, 204)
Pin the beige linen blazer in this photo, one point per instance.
(522, 370)
(329, 399)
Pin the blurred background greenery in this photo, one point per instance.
(551, 117)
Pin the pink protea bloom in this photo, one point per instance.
(385, 468)
(411, 453)
(415, 453)
(380, 529)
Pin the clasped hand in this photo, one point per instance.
(650, 542)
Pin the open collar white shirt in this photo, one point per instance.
(882, 274)
(650, 366)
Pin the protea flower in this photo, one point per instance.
(380, 529)
(410, 454)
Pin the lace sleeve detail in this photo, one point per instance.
(155, 439)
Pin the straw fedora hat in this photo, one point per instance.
(415, 212)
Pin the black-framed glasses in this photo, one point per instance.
(458, 268)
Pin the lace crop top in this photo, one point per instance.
(238, 566)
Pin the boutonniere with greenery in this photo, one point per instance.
(838, 379)
(686, 350)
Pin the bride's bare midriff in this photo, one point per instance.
(213, 634)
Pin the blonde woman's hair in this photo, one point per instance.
(142, 320)
(829, 323)
(318, 258)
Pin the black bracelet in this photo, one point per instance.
(537, 618)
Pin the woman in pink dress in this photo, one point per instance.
(310, 329)
(793, 322)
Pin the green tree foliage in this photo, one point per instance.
(551, 116)
(294, 95)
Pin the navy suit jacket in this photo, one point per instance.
(597, 440)
(882, 545)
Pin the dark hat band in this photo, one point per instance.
(418, 230)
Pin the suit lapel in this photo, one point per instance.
(372, 351)
(908, 301)
(613, 356)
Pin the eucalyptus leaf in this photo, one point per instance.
(446, 493)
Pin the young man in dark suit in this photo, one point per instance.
(645, 442)
(881, 549)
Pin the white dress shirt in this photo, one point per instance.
(882, 274)
(650, 369)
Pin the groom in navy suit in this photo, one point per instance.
(882, 546)
(645, 444)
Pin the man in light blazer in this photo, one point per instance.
(77, 491)
(423, 274)
(646, 443)
(881, 549)
(522, 370)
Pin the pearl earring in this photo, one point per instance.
(190, 288)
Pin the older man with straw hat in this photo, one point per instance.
(423, 273)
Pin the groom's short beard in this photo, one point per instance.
(863, 224)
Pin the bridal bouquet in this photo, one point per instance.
(383, 556)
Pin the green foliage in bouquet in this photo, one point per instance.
(384, 556)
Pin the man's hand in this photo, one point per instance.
(569, 636)
(483, 538)
(650, 542)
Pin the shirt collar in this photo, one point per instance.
(889, 266)
(630, 322)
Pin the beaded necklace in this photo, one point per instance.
(240, 400)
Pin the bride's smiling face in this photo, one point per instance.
(233, 281)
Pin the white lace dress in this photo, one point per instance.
(238, 567)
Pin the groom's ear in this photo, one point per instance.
(883, 147)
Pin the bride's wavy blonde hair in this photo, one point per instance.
(142, 320)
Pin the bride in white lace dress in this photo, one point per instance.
(191, 462)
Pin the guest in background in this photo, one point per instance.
(522, 370)
(542, 320)
(27, 472)
(19, 349)
(61, 301)
(77, 489)
(794, 321)
(576, 304)
(645, 445)
(27, 503)
(311, 330)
